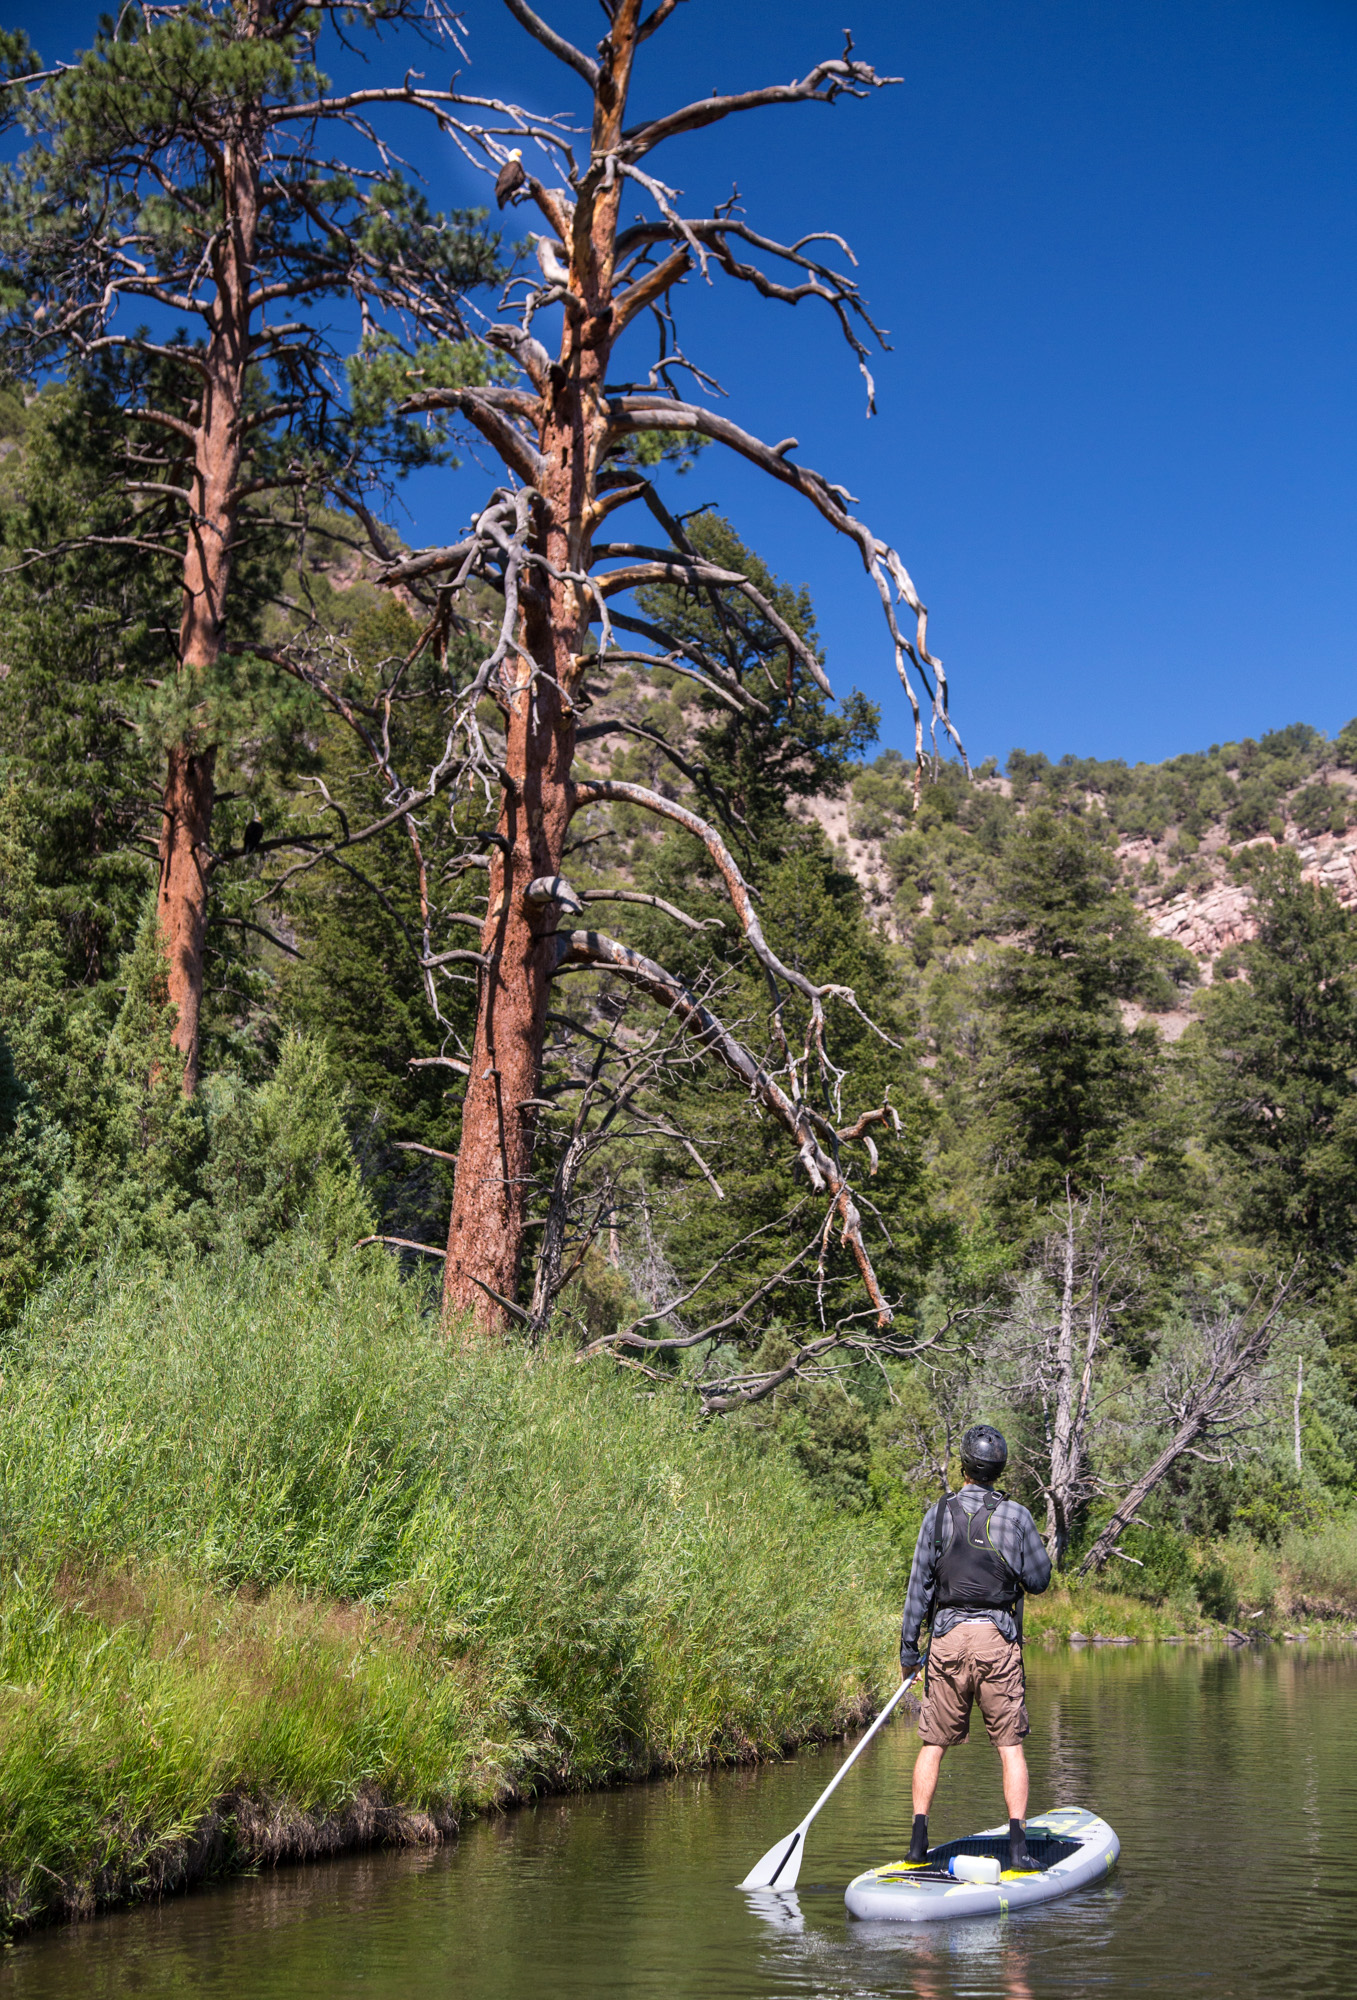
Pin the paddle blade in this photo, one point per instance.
(780, 1866)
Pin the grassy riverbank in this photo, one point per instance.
(284, 1570)
(1309, 1578)
(1088, 1609)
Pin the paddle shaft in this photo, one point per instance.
(857, 1751)
(784, 1859)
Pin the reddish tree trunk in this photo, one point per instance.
(494, 1161)
(492, 1184)
(181, 901)
(186, 822)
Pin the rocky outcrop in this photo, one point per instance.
(1332, 861)
(1208, 920)
(1205, 919)
(1205, 923)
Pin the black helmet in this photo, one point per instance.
(983, 1453)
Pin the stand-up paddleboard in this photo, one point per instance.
(1070, 1848)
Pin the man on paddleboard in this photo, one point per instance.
(977, 1554)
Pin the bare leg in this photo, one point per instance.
(926, 1767)
(1014, 1762)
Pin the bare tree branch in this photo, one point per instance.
(1212, 1402)
(402, 1243)
(822, 85)
(557, 44)
(592, 948)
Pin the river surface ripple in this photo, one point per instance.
(1231, 1779)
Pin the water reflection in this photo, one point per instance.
(779, 1909)
(1229, 1780)
(932, 1962)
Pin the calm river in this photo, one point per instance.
(1230, 1777)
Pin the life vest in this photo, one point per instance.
(970, 1574)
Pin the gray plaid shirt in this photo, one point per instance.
(1013, 1533)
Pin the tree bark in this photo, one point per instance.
(1063, 1449)
(181, 899)
(494, 1158)
(186, 818)
(493, 1180)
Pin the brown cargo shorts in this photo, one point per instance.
(974, 1662)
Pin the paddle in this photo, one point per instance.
(781, 1865)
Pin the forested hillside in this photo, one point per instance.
(1183, 829)
(1084, 1106)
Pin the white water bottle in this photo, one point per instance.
(974, 1868)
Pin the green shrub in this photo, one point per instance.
(1165, 1564)
(1251, 1574)
(1314, 806)
(1254, 806)
(1275, 1502)
(1321, 1564)
(1216, 1593)
(279, 1154)
(39, 1202)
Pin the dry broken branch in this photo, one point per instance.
(1210, 1401)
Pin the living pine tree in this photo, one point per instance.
(1280, 1082)
(101, 1154)
(787, 741)
(100, 1149)
(1067, 1088)
(196, 167)
(40, 1208)
(763, 1206)
(357, 984)
(78, 644)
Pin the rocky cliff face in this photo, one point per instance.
(1205, 917)
(1209, 919)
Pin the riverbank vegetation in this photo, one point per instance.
(884, 1103)
(285, 1572)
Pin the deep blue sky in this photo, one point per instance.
(1113, 242)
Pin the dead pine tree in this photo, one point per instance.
(1049, 1353)
(1210, 1396)
(1090, 1300)
(575, 435)
(181, 172)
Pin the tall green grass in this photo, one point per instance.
(278, 1556)
(1320, 1567)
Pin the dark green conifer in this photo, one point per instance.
(1069, 1084)
(1280, 1080)
(795, 744)
(181, 169)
